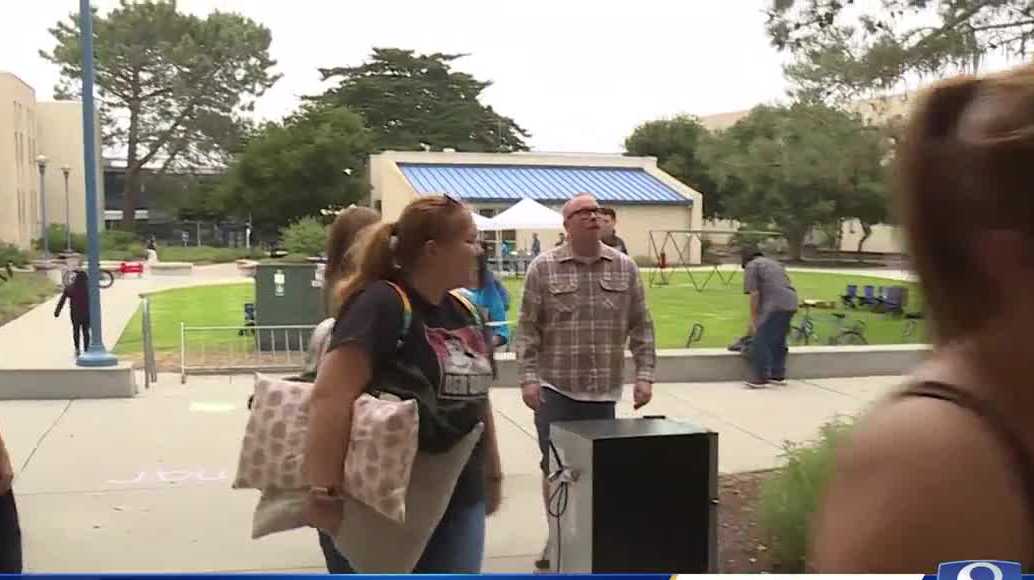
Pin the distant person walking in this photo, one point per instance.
(490, 295)
(608, 234)
(560, 240)
(773, 302)
(536, 245)
(78, 298)
(152, 251)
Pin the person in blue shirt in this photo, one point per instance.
(491, 296)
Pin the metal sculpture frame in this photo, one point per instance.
(661, 276)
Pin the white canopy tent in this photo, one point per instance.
(528, 214)
(482, 223)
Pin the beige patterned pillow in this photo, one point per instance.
(380, 454)
(274, 442)
(379, 462)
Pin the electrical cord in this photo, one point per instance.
(557, 505)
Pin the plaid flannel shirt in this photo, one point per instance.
(576, 319)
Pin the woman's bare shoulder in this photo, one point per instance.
(918, 482)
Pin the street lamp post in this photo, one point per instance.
(68, 221)
(96, 355)
(41, 161)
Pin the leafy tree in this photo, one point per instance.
(172, 87)
(676, 145)
(311, 161)
(413, 102)
(305, 237)
(800, 167)
(844, 48)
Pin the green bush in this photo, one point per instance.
(118, 240)
(56, 239)
(790, 497)
(10, 253)
(132, 252)
(307, 236)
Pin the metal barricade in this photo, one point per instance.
(233, 349)
(150, 364)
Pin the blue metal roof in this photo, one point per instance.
(508, 183)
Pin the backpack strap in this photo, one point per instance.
(407, 310)
(474, 310)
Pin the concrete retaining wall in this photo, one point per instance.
(70, 383)
(807, 362)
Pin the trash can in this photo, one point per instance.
(641, 497)
(287, 295)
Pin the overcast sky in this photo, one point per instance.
(579, 75)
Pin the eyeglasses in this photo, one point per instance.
(585, 213)
(453, 197)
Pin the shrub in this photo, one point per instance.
(307, 236)
(790, 497)
(56, 239)
(118, 240)
(10, 253)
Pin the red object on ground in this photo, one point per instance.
(131, 268)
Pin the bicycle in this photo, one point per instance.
(804, 333)
(848, 335)
(107, 277)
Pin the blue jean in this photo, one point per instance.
(768, 349)
(457, 545)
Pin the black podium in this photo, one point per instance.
(637, 495)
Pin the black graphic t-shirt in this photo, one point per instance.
(450, 358)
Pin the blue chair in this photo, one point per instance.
(868, 297)
(894, 301)
(851, 295)
(249, 318)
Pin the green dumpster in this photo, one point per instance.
(287, 295)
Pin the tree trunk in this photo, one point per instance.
(795, 241)
(867, 231)
(131, 182)
(130, 186)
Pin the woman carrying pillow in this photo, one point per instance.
(432, 249)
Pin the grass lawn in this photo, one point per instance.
(22, 292)
(722, 310)
(221, 305)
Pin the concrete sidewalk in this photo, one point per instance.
(143, 485)
(37, 340)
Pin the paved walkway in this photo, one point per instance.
(143, 485)
(37, 340)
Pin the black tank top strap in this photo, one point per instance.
(1022, 461)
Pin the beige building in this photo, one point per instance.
(885, 239)
(28, 129)
(644, 197)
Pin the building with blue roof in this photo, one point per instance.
(643, 196)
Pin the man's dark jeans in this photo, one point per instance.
(768, 349)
